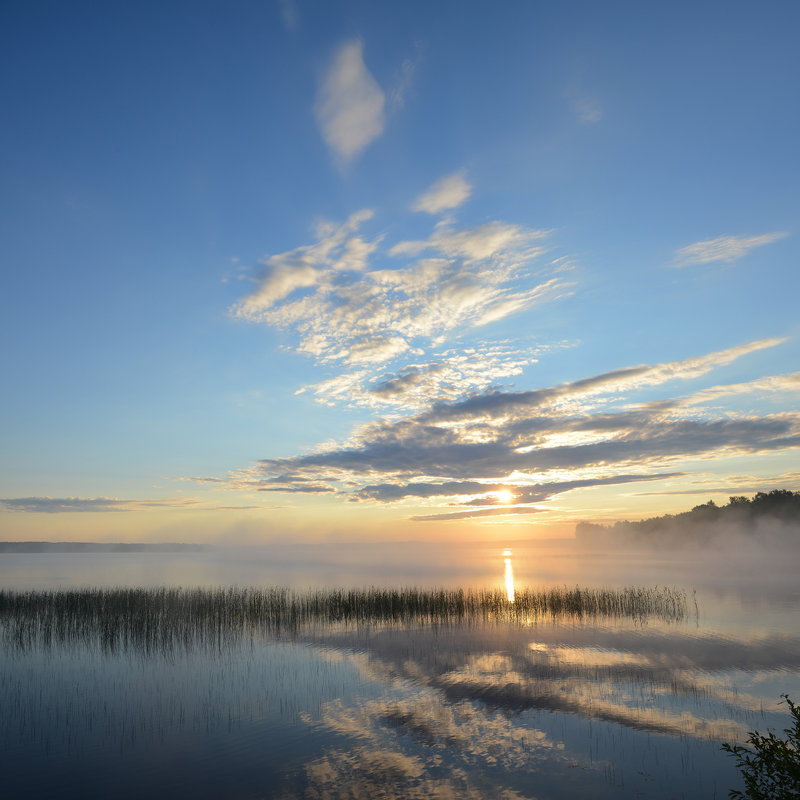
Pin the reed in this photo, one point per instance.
(163, 619)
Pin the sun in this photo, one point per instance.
(504, 496)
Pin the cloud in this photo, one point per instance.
(476, 244)
(350, 104)
(774, 384)
(723, 248)
(494, 450)
(346, 310)
(588, 109)
(506, 511)
(82, 505)
(298, 487)
(289, 14)
(578, 394)
(404, 77)
(541, 443)
(522, 493)
(58, 505)
(448, 192)
(451, 375)
(337, 249)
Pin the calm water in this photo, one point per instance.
(553, 707)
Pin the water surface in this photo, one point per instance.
(551, 706)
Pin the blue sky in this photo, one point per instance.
(358, 270)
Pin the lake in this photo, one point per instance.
(610, 695)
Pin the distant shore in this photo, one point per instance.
(98, 547)
(769, 517)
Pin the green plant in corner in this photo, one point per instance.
(770, 767)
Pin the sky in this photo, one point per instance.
(358, 271)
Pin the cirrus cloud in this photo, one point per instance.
(723, 248)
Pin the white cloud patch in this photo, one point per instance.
(723, 248)
(448, 192)
(350, 104)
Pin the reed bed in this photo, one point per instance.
(164, 619)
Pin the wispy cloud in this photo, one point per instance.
(587, 394)
(448, 192)
(289, 14)
(587, 108)
(350, 104)
(347, 310)
(482, 492)
(404, 77)
(58, 505)
(449, 376)
(83, 505)
(738, 484)
(774, 384)
(723, 248)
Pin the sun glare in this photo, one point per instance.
(504, 496)
(509, 575)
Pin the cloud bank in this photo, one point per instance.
(469, 455)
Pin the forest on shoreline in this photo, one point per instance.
(768, 516)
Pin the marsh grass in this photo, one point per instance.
(165, 619)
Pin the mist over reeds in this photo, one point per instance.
(166, 619)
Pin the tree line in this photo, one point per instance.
(779, 508)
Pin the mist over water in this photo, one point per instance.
(503, 702)
(767, 561)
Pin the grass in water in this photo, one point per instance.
(169, 618)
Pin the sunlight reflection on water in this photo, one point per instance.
(556, 707)
(509, 576)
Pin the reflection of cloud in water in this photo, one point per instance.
(657, 680)
(379, 774)
(493, 680)
(450, 743)
(457, 724)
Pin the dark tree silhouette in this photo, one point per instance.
(770, 766)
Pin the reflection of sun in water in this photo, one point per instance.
(509, 575)
(504, 496)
